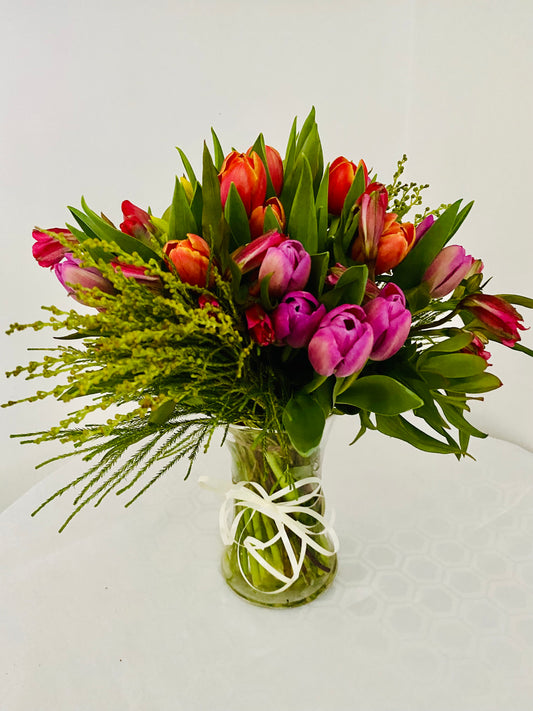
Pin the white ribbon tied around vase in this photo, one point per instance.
(251, 496)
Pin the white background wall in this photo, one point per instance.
(96, 95)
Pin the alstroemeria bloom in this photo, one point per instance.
(136, 221)
(71, 275)
(190, 257)
(390, 321)
(447, 270)
(48, 251)
(250, 256)
(289, 266)
(395, 242)
(342, 343)
(373, 205)
(257, 218)
(275, 167)
(296, 318)
(150, 281)
(259, 325)
(477, 347)
(248, 174)
(499, 320)
(341, 175)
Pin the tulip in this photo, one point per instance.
(150, 281)
(72, 275)
(296, 318)
(259, 325)
(498, 319)
(373, 204)
(257, 218)
(390, 321)
(395, 242)
(190, 258)
(423, 227)
(251, 255)
(248, 174)
(341, 175)
(275, 167)
(342, 343)
(289, 266)
(48, 251)
(136, 221)
(447, 270)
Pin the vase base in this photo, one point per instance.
(299, 593)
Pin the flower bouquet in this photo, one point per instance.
(270, 295)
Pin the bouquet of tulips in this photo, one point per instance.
(272, 293)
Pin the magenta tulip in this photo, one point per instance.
(447, 270)
(289, 266)
(342, 343)
(251, 255)
(390, 321)
(72, 275)
(296, 318)
(423, 227)
(48, 251)
(496, 317)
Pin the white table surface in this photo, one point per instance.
(432, 607)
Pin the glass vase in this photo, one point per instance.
(280, 551)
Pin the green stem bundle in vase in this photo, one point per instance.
(271, 294)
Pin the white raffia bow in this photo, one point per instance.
(251, 496)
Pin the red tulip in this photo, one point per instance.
(275, 167)
(190, 257)
(136, 221)
(341, 174)
(248, 174)
(259, 325)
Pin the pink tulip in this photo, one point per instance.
(250, 256)
(423, 227)
(259, 325)
(498, 319)
(289, 266)
(140, 275)
(296, 318)
(390, 321)
(447, 270)
(342, 343)
(71, 275)
(48, 251)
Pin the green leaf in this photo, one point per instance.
(350, 288)
(319, 270)
(410, 271)
(270, 221)
(478, 384)
(290, 152)
(260, 148)
(237, 218)
(455, 417)
(188, 168)
(302, 219)
(162, 413)
(454, 365)
(322, 211)
(303, 420)
(461, 217)
(212, 218)
(380, 394)
(307, 128)
(181, 219)
(453, 344)
(398, 427)
(219, 153)
(357, 188)
(518, 300)
(197, 204)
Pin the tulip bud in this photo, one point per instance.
(136, 221)
(447, 270)
(390, 321)
(423, 227)
(495, 317)
(289, 266)
(48, 251)
(257, 218)
(341, 176)
(373, 204)
(72, 275)
(296, 318)
(190, 258)
(342, 342)
(248, 174)
(259, 325)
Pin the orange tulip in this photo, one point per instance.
(257, 218)
(190, 257)
(395, 242)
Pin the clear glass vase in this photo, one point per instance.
(280, 551)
